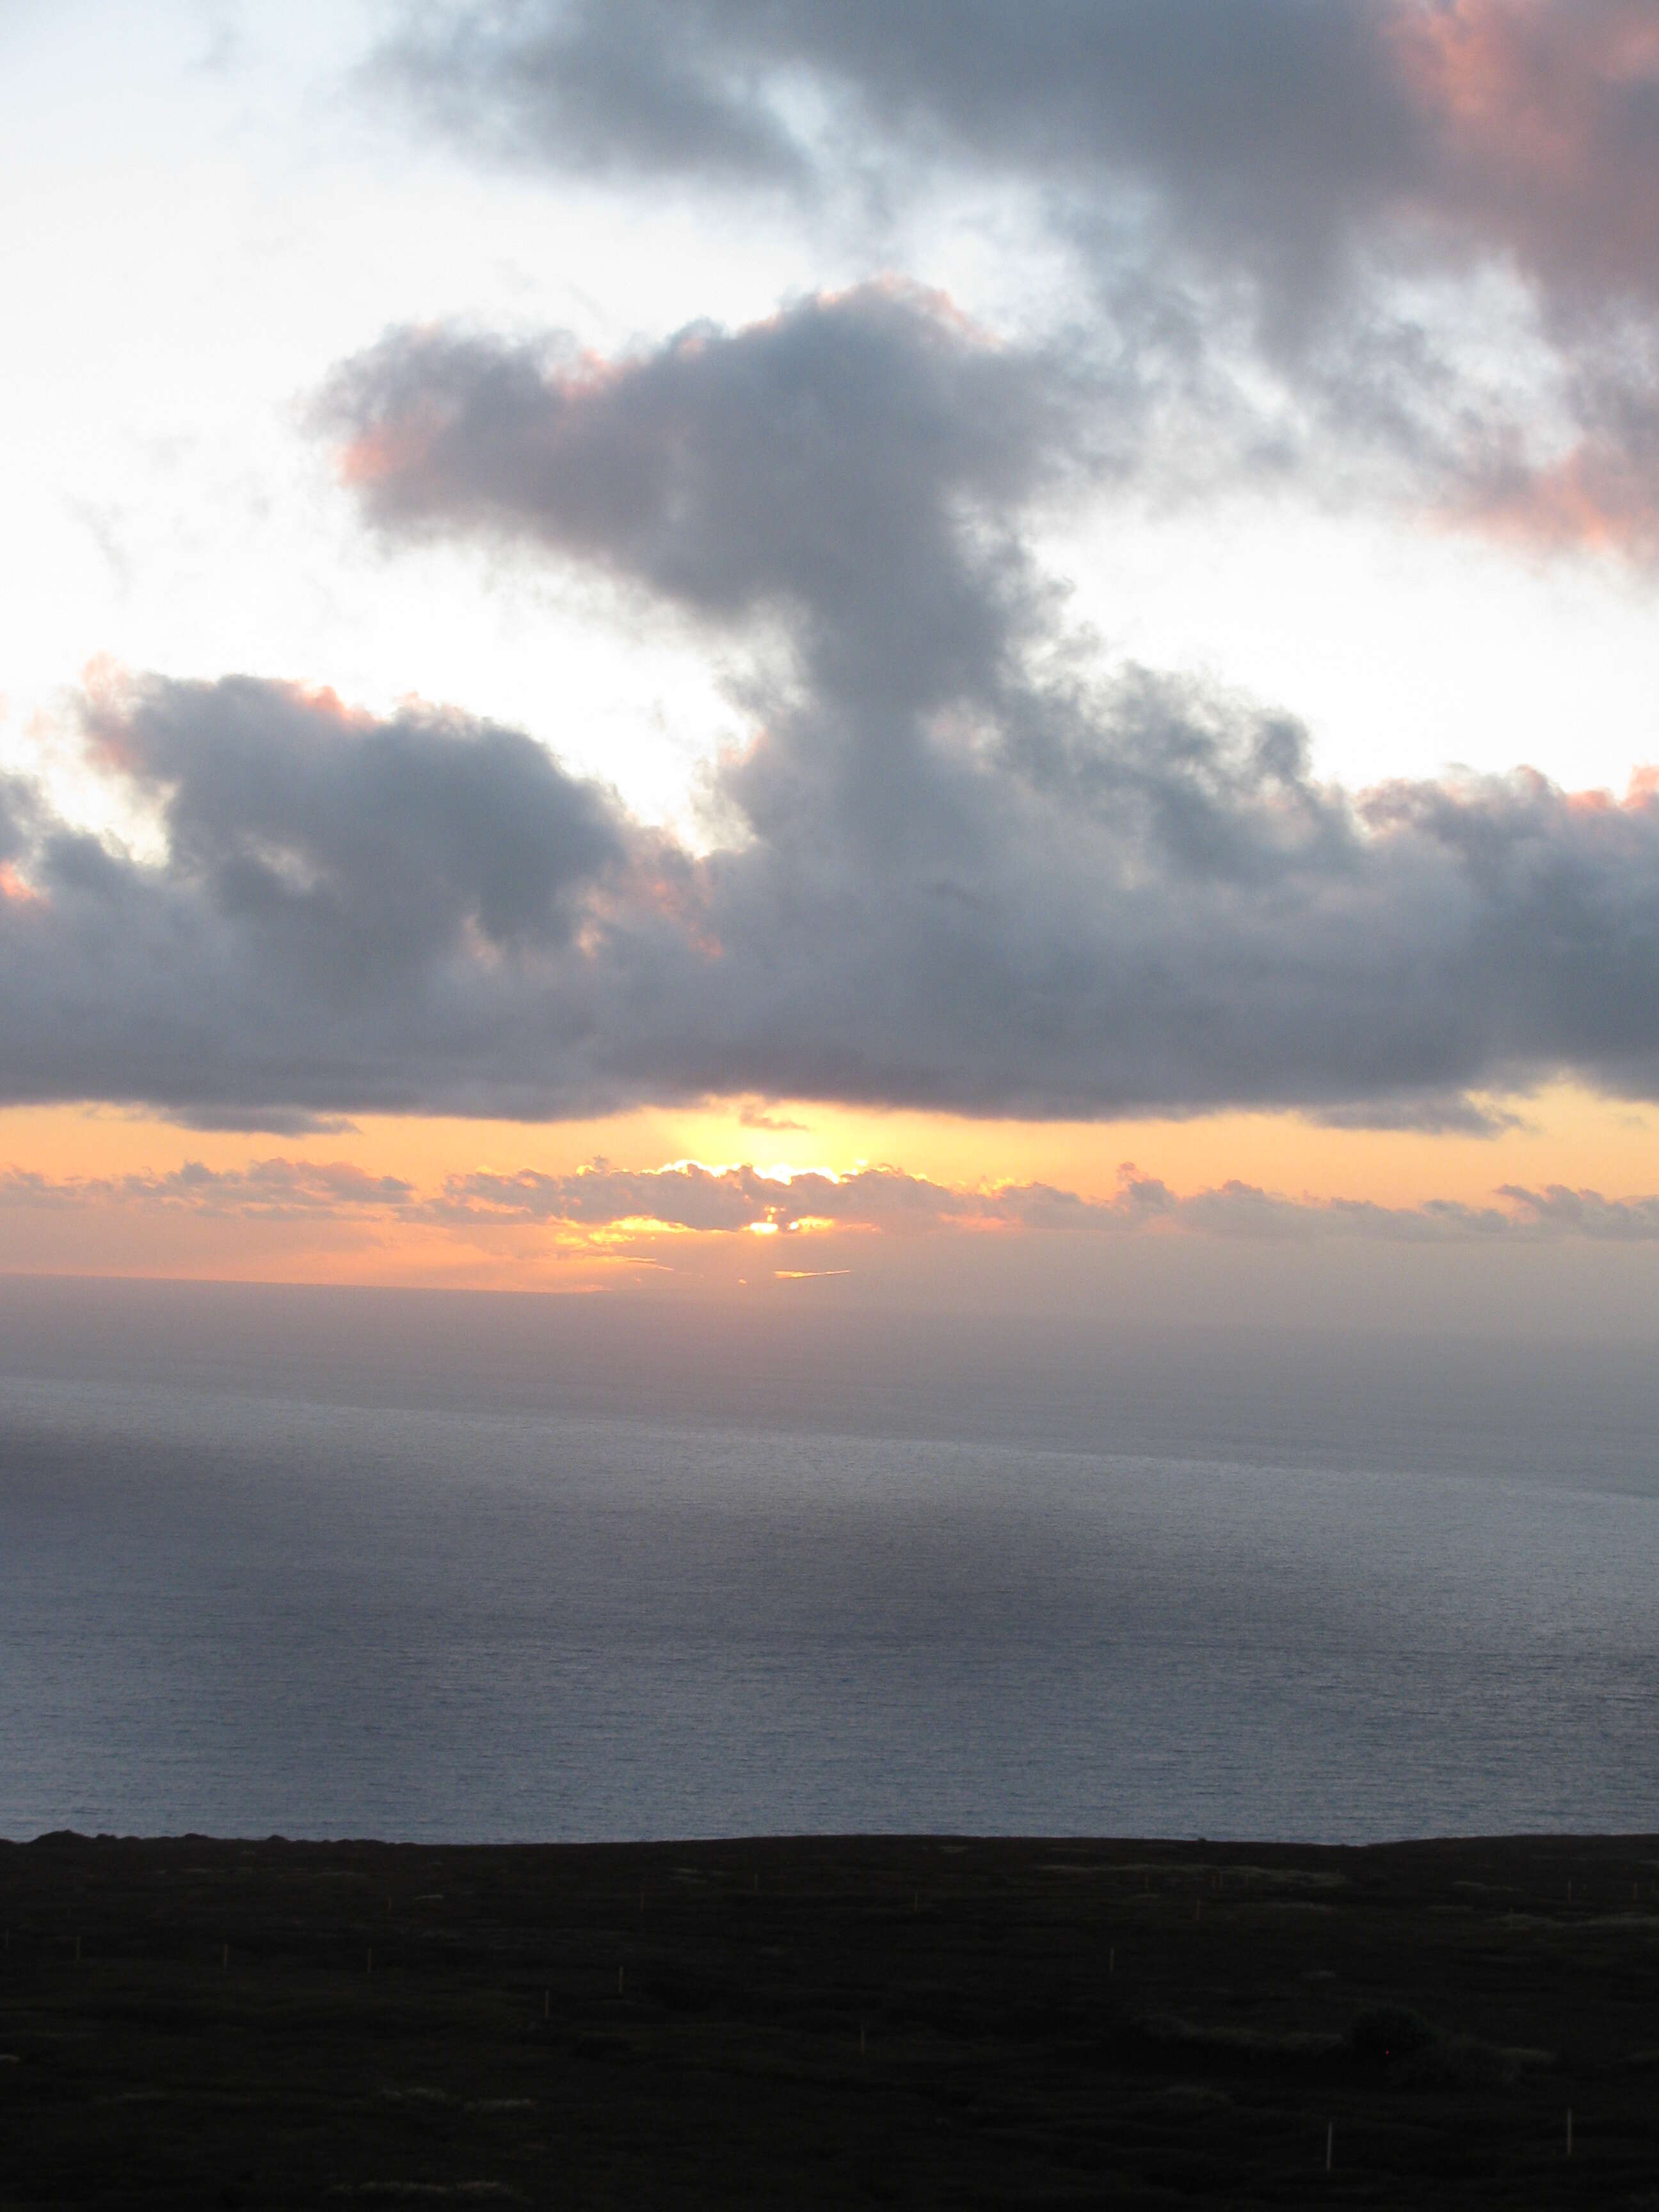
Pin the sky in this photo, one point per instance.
(983, 654)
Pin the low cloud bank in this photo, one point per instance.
(875, 1201)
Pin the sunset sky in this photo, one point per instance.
(989, 652)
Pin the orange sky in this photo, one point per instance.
(1480, 254)
(1564, 1136)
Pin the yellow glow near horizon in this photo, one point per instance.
(1564, 1135)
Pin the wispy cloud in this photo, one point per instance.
(277, 1188)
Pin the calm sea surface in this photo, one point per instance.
(253, 1612)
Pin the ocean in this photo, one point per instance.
(348, 1563)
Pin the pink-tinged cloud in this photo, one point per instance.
(1547, 109)
(1597, 499)
(1252, 174)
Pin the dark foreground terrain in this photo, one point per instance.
(829, 2022)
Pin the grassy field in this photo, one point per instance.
(829, 2022)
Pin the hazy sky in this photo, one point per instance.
(998, 652)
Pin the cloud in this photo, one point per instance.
(852, 466)
(1288, 137)
(267, 1120)
(1286, 182)
(19, 822)
(952, 867)
(1429, 1116)
(755, 1117)
(348, 912)
(1267, 113)
(355, 850)
(1585, 1213)
(593, 95)
(959, 873)
(272, 1188)
(884, 1201)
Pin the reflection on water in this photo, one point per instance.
(253, 1614)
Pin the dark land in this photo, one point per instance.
(830, 2021)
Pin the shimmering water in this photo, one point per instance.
(252, 1612)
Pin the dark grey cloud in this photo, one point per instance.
(344, 912)
(356, 851)
(595, 95)
(1257, 175)
(266, 1121)
(19, 816)
(1283, 136)
(852, 466)
(1429, 1116)
(951, 867)
(757, 1117)
(1012, 866)
(1014, 950)
(1267, 118)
